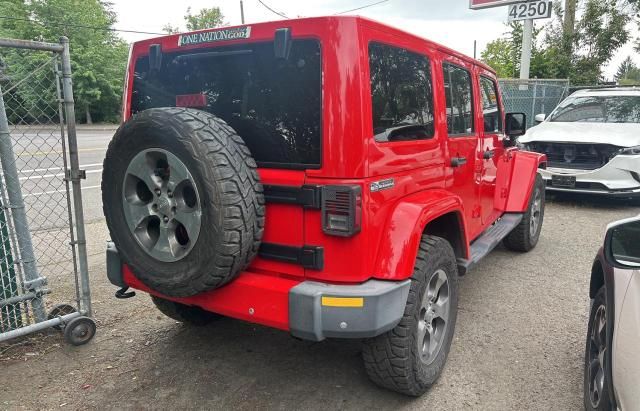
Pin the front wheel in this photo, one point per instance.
(525, 235)
(410, 358)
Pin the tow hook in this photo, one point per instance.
(122, 293)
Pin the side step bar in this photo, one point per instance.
(488, 240)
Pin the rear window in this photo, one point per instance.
(273, 104)
(596, 109)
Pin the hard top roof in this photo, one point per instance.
(327, 19)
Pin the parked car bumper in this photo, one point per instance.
(309, 310)
(619, 177)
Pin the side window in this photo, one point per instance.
(490, 108)
(401, 94)
(457, 84)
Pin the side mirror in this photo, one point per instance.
(540, 117)
(515, 124)
(622, 244)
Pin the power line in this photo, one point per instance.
(272, 10)
(362, 7)
(80, 26)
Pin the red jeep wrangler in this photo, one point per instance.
(331, 177)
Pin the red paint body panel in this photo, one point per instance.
(399, 247)
(266, 295)
(523, 175)
(425, 185)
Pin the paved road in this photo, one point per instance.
(40, 166)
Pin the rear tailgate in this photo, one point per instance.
(284, 225)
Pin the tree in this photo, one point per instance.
(98, 55)
(169, 29)
(503, 54)
(628, 73)
(579, 52)
(206, 18)
(500, 54)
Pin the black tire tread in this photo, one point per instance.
(224, 160)
(519, 239)
(392, 360)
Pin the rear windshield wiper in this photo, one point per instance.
(211, 54)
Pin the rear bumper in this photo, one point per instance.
(307, 309)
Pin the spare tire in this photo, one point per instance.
(182, 200)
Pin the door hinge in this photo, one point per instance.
(75, 175)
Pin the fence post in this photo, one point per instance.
(33, 281)
(75, 177)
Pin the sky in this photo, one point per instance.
(449, 22)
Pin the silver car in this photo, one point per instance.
(612, 354)
(592, 142)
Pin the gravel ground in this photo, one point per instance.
(518, 344)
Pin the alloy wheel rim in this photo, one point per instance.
(536, 211)
(161, 204)
(597, 351)
(433, 317)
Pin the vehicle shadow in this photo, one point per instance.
(592, 201)
(235, 365)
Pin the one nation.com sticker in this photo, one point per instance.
(217, 35)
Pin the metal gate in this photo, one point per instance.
(44, 280)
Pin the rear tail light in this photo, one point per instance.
(342, 210)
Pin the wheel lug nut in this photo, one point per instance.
(173, 209)
(154, 207)
(165, 219)
(170, 194)
(158, 192)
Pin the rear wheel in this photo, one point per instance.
(596, 387)
(187, 314)
(525, 235)
(410, 358)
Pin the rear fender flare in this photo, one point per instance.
(524, 171)
(399, 245)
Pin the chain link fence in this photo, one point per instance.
(43, 262)
(534, 96)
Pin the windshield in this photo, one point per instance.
(273, 104)
(596, 109)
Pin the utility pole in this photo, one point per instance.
(525, 58)
(569, 17)
(241, 12)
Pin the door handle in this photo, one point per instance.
(458, 161)
(488, 154)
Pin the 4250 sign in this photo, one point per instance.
(530, 10)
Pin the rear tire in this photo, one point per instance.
(187, 314)
(403, 359)
(525, 235)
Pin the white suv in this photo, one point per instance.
(592, 142)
